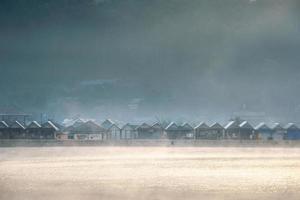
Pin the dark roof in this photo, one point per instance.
(16, 124)
(277, 126)
(58, 125)
(114, 125)
(3, 124)
(49, 124)
(186, 127)
(232, 125)
(130, 125)
(107, 123)
(246, 125)
(144, 126)
(89, 126)
(216, 126)
(157, 125)
(202, 125)
(172, 126)
(34, 124)
(291, 126)
(262, 126)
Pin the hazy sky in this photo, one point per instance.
(192, 59)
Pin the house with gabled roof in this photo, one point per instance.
(4, 130)
(201, 131)
(113, 132)
(17, 124)
(34, 131)
(292, 132)
(34, 124)
(144, 131)
(263, 131)
(232, 129)
(187, 131)
(16, 130)
(49, 130)
(202, 125)
(88, 131)
(107, 123)
(158, 131)
(129, 131)
(184, 131)
(246, 131)
(171, 126)
(278, 132)
(215, 131)
(173, 132)
(60, 132)
(69, 129)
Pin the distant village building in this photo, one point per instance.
(236, 129)
(16, 130)
(107, 123)
(158, 131)
(239, 131)
(49, 130)
(87, 131)
(34, 131)
(184, 131)
(263, 132)
(69, 129)
(61, 135)
(215, 132)
(113, 131)
(278, 132)
(246, 131)
(292, 132)
(187, 131)
(144, 131)
(173, 132)
(202, 131)
(232, 130)
(4, 130)
(129, 131)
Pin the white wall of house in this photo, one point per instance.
(95, 136)
(190, 135)
(81, 136)
(88, 136)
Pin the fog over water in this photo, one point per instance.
(144, 59)
(149, 173)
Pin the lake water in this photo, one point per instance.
(149, 173)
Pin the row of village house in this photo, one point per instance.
(108, 130)
(17, 130)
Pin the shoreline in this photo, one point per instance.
(148, 143)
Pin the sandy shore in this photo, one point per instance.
(149, 173)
